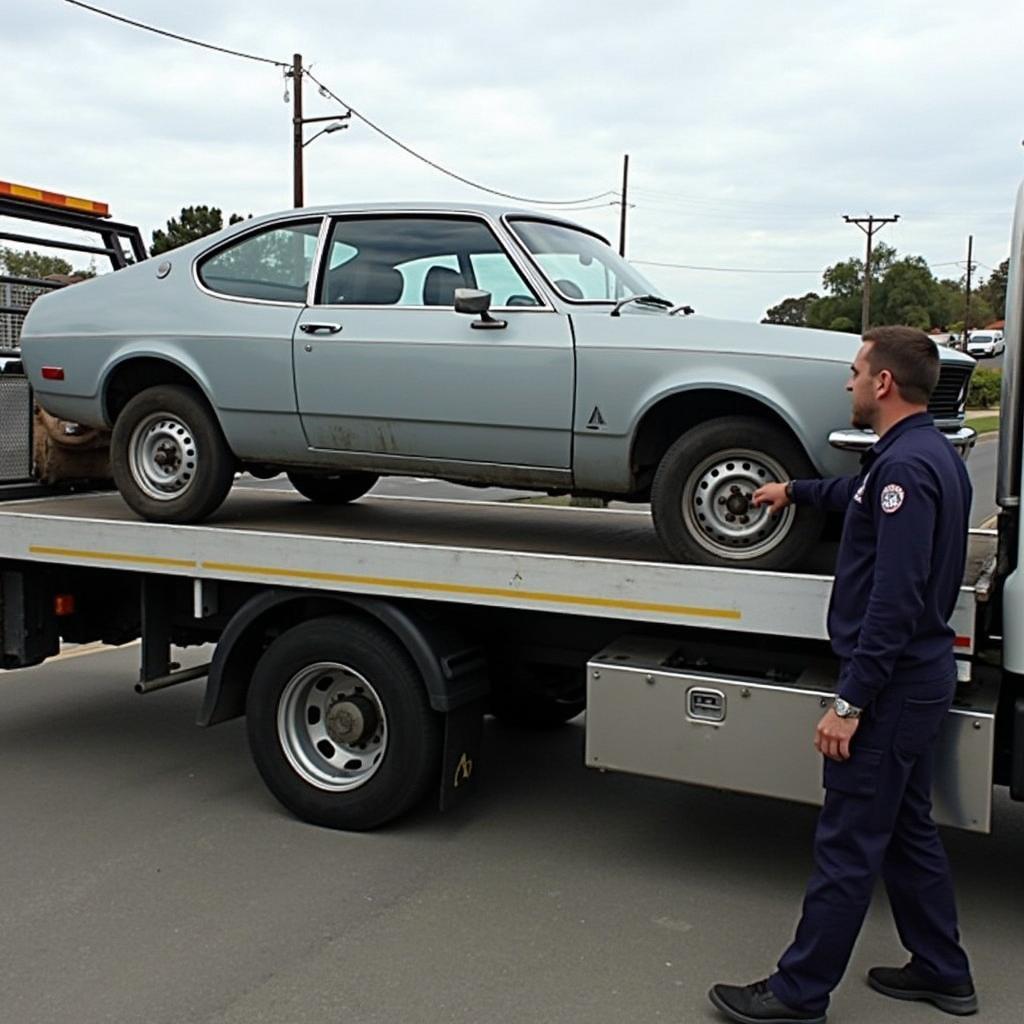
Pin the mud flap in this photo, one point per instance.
(463, 730)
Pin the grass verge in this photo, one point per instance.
(984, 424)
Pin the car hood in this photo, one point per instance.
(688, 333)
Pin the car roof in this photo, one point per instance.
(493, 211)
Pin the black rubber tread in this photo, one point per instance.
(215, 472)
(412, 761)
(332, 488)
(699, 443)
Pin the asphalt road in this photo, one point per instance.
(147, 876)
(982, 468)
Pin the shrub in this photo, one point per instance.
(985, 388)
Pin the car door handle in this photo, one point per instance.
(320, 328)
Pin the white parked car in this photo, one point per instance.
(985, 344)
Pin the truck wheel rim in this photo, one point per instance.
(332, 726)
(163, 456)
(717, 509)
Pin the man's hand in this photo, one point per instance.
(833, 735)
(772, 494)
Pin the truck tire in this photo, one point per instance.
(333, 488)
(168, 456)
(340, 726)
(701, 491)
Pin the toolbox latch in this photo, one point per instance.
(705, 705)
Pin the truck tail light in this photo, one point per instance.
(64, 604)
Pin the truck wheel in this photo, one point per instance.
(168, 456)
(701, 504)
(333, 488)
(340, 726)
(536, 697)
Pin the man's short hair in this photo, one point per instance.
(910, 356)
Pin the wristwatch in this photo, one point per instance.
(789, 490)
(844, 709)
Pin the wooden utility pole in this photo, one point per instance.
(872, 225)
(967, 299)
(622, 213)
(296, 76)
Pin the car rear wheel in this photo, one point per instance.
(701, 497)
(333, 488)
(168, 456)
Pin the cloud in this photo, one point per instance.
(751, 127)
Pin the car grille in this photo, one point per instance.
(950, 393)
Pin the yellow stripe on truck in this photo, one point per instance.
(114, 556)
(421, 586)
(427, 586)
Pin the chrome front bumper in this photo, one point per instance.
(850, 440)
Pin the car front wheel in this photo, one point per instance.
(168, 456)
(701, 499)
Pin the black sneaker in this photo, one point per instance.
(904, 983)
(757, 1004)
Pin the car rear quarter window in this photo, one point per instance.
(273, 265)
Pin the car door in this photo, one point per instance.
(386, 367)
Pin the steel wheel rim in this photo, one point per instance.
(332, 727)
(720, 487)
(163, 456)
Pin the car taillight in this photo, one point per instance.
(53, 373)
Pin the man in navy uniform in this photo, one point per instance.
(900, 564)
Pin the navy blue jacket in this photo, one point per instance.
(901, 559)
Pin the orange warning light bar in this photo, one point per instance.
(38, 195)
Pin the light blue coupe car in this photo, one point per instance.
(476, 344)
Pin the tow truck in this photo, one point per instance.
(365, 644)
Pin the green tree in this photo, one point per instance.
(908, 294)
(791, 311)
(994, 289)
(194, 222)
(903, 291)
(31, 264)
(842, 323)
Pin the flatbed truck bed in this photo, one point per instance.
(505, 607)
(599, 561)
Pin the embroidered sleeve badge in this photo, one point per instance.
(892, 498)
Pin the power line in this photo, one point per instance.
(762, 270)
(722, 270)
(328, 92)
(678, 197)
(174, 35)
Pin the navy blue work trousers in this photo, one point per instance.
(876, 819)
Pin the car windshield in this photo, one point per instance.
(581, 266)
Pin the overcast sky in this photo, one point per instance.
(752, 127)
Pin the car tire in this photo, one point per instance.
(168, 456)
(333, 488)
(362, 765)
(700, 497)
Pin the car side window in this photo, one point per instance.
(272, 265)
(404, 260)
